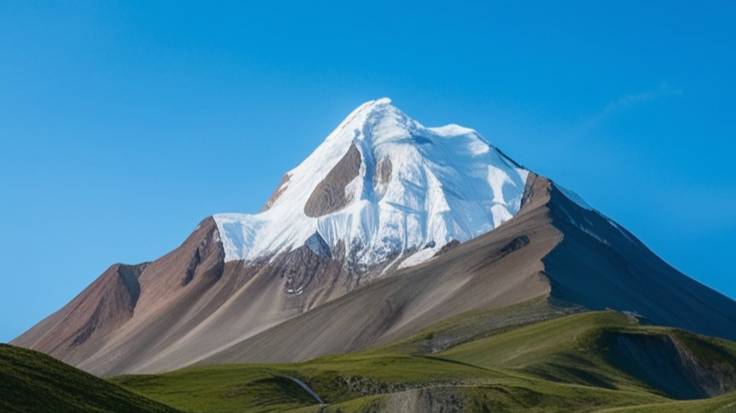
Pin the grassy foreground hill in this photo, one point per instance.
(34, 382)
(582, 362)
(528, 358)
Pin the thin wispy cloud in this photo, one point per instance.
(624, 103)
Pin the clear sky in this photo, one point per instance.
(123, 124)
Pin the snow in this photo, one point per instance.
(447, 183)
(419, 257)
(317, 245)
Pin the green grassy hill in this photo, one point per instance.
(721, 404)
(581, 362)
(34, 382)
(529, 358)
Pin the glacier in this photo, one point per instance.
(418, 188)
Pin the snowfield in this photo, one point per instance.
(418, 189)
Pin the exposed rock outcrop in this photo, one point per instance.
(330, 195)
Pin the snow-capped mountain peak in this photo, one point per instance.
(382, 187)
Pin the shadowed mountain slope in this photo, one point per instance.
(598, 264)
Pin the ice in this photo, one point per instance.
(446, 183)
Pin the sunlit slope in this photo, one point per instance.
(578, 362)
(363, 383)
(610, 350)
(720, 404)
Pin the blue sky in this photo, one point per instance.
(123, 124)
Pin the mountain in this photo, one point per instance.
(386, 228)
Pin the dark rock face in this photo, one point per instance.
(118, 294)
(447, 247)
(383, 171)
(129, 277)
(303, 264)
(207, 247)
(329, 195)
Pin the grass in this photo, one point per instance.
(477, 324)
(556, 365)
(721, 404)
(535, 343)
(357, 383)
(473, 364)
(222, 389)
(567, 349)
(263, 388)
(34, 382)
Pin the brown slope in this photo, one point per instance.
(97, 311)
(552, 248)
(189, 311)
(187, 303)
(190, 304)
(248, 298)
(499, 269)
(600, 265)
(124, 297)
